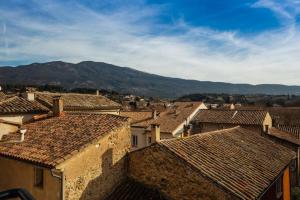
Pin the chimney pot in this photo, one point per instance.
(22, 134)
(155, 132)
(58, 106)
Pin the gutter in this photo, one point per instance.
(60, 175)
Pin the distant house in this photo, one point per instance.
(211, 120)
(234, 163)
(148, 127)
(74, 102)
(67, 156)
(228, 106)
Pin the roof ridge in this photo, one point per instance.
(200, 134)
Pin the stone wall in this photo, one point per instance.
(157, 167)
(94, 172)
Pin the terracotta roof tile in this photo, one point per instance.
(133, 190)
(73, 101)
(2, 96)
(138, 116)
(172, 117)
(49, 142)
(237, 159)
(239, 117)
(284, 135)
(20, 105)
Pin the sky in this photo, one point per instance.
(248, 41)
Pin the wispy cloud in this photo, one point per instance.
(132, 35)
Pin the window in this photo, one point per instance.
(134, 140)
(149, 140)
(38, 177)
(279, 187)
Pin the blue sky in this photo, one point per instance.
(250, 41)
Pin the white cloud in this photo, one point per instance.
(132, 36)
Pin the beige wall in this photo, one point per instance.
(92, 173)
(267, 121)
(156, 167)
(17, 174)
(7, 128)
(142, 137)
(17, 118)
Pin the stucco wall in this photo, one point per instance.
(142, 137)
(156, 167)
(267, 121)
(92, 173)
(7, 128)
(17, 174)
(17, 118)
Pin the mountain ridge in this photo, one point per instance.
(102, 75)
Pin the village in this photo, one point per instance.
(86, 146)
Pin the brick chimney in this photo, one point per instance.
(155, 133)
(58, 106)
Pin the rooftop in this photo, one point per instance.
(284, 135)
(137, 116)
(239, 117)
(174, 116)
(237, 159)
(133, 190)
(74, 101)
(51, 141)
(17, 104)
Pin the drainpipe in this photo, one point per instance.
(60, 175)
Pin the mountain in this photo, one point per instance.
(90, 74)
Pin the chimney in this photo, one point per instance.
(22, 132)
(154, 114)
(97, 92)
(58, 106)
(155, 133)
(29, 93)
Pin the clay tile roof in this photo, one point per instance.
(237, 159)
(170, 119)
(292, 137)
(73, 101)
(2, 96)
(239, 117)
(133, 190)
(20, 105)
(51, 141)
(137, 116)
